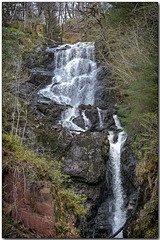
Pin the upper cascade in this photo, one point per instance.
(74, 77)
(74, 81)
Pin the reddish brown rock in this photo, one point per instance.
(32, 209)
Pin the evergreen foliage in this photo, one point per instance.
(128, 49)
(121, 12)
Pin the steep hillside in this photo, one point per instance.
(58, 178)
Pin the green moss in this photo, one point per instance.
(94, 111)
(85, 148)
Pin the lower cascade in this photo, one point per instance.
(116, 201)
(73, 86)
(112, 213)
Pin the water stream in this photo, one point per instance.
(116, 202)
(74, 83)
(100, 117)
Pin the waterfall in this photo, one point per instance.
(86, 120)
(74, 81)
(67, 118)
(116, 202)
(100, 117)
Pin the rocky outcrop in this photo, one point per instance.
(84, 160)
(102, 227)
(38, 58)
(129, 182)
(83, 155)
(79, 121)
(40, 66)
(33, 208)
(85, 163)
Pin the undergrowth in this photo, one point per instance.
(39, 170)
(145, 147)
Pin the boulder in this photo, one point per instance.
(92, 114)
(52, 111)
(79, 121)
(84, 159)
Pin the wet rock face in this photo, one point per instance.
(38, 58)
(85, 163)
(85, 158)
(84, 155)
(37, 81)
(41, 78)
(79, 121)
(100, 93)
(91, 113)
(40, 64)
(128, 168)
(51, 112)
(102, 228)
(93, 193)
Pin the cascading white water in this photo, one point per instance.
(118, 213)
(74, 81)
(100, 117)
(87, 122)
